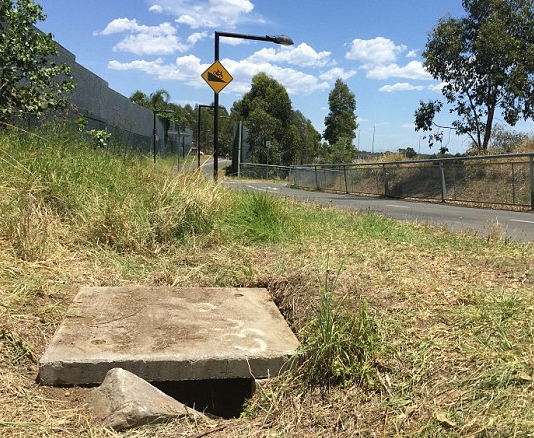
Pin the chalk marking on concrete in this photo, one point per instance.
(206, 307)
(243, 333)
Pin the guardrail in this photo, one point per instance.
(505, 180)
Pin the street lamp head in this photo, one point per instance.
(284, 40)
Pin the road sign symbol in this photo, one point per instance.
(217, 77)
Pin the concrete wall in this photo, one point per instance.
(105, 109)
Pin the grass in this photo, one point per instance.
(424, 332)
(339, 345)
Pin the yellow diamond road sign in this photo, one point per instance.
(217, 77)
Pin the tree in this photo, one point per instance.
(340, 122)
(506, 141)
(31, 82)
(139, 98)
(266, 110)
(307, 139)
(486, 61)
(159, 99)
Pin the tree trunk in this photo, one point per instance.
(489, 126)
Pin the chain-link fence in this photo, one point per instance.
(264, 171)
(498, 179)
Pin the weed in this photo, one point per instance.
(339, 345)
(14, 348)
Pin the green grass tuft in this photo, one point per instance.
(257, 217)
(339, 345)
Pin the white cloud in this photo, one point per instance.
(412, 54)
(412, 70)
(207, 13)
(187, 69)
(400, 86)
(302, 55)
(120, 25)
(376, 51)
(196, 37)
(156, 8)
(438, 87)
(150, 44)
(295, 82)
(149, 40)
(335, 73)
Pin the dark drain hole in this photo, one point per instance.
(220, 397)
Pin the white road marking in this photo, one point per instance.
(266, 189)
(523, 222)
(398, 206)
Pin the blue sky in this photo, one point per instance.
(374, 46)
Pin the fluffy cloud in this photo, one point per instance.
(378, 57)
(295, 82)
(187, 69)
(147, 44)
(412, 70)
(335, 73)
(206, 13)
(149, 40)
(376, 51)
(437, 88)
(400, 86)
(156, 8)
(302, 55)
(196, 37)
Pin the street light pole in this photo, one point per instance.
(278, 39)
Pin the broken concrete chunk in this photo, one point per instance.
(124, 401)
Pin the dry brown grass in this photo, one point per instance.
(456, 314)
(457, 317)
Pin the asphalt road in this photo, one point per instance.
(518, 226)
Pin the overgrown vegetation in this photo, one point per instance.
(416, 331)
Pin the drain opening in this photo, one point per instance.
(220, 397)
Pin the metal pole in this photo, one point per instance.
(346, 184)
(373, 145)
(198, 138)
(386, 184)
(154, 135)
(513, 183)
(239, 146)
(532, 182)
(443, 182)
(216, 119)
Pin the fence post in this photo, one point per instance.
(316, 179)
(513, 183)
(346, 184)
(532, 182)
(386, 185)
(443, 183)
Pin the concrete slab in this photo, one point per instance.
(168, 334)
